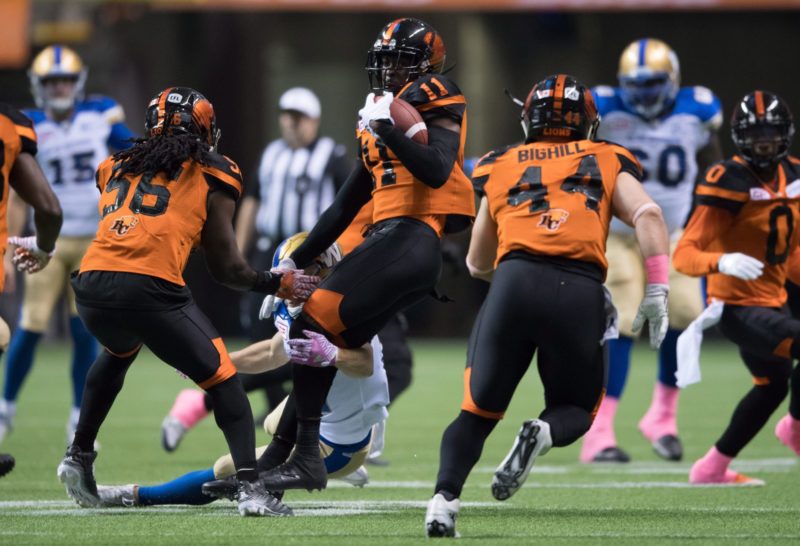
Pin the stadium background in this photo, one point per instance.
(243, 54)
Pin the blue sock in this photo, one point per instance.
(619, 360)
(668, 358)
(19, 361)
(183, 490)
(84, 353)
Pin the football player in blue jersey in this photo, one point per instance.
(672, 130)
(75, 135)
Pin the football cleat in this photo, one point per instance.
(172, 432)
(788, 432)
(358, 478)
(611, 455)
(298, 472)
(440, 518)
(7, 463)
(254, 500)
(668, 447)
(225, 488)
(117, 495)
(700, 475)
(76, 472)
(533, 439)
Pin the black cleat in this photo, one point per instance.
(7, 463)
(221, 489)
(611, 455)
(669, 447)
(297, 473)
(76, 472)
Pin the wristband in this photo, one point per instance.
(657, 268)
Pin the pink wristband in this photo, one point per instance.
(657, 269)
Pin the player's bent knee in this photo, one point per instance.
(5, 335)
(274, 417)
(224, 467)
(341, 461)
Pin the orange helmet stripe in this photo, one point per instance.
(162, 106)
(759, 104)
(558, 92)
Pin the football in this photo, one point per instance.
(407, 119)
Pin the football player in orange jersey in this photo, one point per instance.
(419, 193)
(19, 168)
(540, 238)
(743, 235)
(160, 199)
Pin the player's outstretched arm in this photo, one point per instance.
(29, 182)
(483, 244)
(262, 356)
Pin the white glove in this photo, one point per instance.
(268, 306)
(740, 266)
(653, 309)
(28, 256)
(375, 110)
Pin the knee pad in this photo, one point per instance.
(274, 417)
(5, 335)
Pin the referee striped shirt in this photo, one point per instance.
(296, 185)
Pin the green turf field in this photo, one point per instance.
(645, 502)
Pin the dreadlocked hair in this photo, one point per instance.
(161, 154)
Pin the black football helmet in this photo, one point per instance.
(182, 110)
(405, 49)
(762, 129)
(559, 107)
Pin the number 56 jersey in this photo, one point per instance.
(553, 199)
(149, 224)
(666, 147)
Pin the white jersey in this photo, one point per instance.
(666, 147)
(354, 404)
(69, 153)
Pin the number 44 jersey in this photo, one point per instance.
(553, 199)
(666, 147)
(150, 223)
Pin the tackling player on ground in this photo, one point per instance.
(18, 166)
(169, 194)
(419, 193)
(744, 236)
(672, 131)
(540, 238)
(75, 135)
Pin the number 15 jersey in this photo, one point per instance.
(553, 199)
(149, 223)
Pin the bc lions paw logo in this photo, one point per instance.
(553, 218)
(123, 225)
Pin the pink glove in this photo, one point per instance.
(296, 286)
(315, 351)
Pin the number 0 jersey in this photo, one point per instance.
(395, 190)
(149, 224)
(70, 152)
(666, 148)
(553, 199)
(18, 136)
(736, 212)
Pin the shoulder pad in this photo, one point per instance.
(36, 116)
(700, 102)
(23, 126)
(607, 99)
(223, 173)
(95, 103)
(435, 95)
(726, 184)
(16, 116)
(484, 165)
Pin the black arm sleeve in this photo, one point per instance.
(431, 164)
(355, 193)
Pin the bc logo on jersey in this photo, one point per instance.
(553, 219)
(123, 225)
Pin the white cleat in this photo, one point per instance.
(117, 495)
(254, 500)
(440, 518)
(172, 432)
(76, 472)
(358, 478)
(533, 439)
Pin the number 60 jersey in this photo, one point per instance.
(666, 147)
(149, 224)
(553, 199)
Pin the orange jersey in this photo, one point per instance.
(354, 234)
(150, 224)
(736, 212)
(395, 190)
(553, 199)
(18, 136)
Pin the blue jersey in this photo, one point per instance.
(70, 151)
(666, 147)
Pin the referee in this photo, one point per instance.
(298, 176)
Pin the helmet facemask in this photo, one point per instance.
(764, 145)
(648, 94)
(389, 69)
